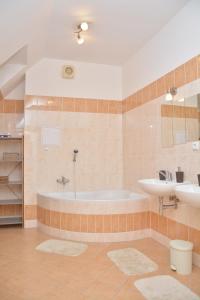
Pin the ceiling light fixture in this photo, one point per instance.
(170, 94)
(84, 26)
(81, 27)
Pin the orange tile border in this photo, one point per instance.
(30, 212)
(191, 70)
(73, 104)
(107, 223)
(10, 210)
(12, 106)
(178, 77)
(194, 236)
(175, 230)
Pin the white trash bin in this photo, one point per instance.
(181, 256)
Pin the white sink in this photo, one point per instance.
(158, 187)
(189, 193)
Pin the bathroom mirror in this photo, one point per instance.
(180, 120)
(192, 117)
(167, 124)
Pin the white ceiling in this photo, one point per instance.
(118, 28)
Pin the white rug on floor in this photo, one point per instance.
(164, 287)
(132, 262)
(66, 248)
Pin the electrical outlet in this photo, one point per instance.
(196, 146)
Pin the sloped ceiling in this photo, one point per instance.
(118, 28)
(24, 23)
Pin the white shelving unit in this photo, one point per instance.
(11, 190)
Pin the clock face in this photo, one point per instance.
(68, 72)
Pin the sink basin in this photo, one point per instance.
(158, 187)
(189, 193)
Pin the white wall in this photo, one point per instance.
(176, 43)
(18, 93)
(91, 80)
(24, 23)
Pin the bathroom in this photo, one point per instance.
(100, 150)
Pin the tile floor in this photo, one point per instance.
(26, 274)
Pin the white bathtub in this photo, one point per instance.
(102, 216)
(104, 195)
(99, 202)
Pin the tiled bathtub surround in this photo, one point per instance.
(115, 228)
(94, 223)
(98, 220)
(99, 225)
(94, 219)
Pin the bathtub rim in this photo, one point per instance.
(139, 196)
(90, 207)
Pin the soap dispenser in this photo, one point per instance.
(198, 178)
(179, 175)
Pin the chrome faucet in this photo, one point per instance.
(167, 175)
(63, 180)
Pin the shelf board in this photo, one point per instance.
(9, 220)
(11, 183)
(11, 138)
(11, 201)
(9, 161)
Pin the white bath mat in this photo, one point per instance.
(131, 261)
(66, 248)
(164, 288)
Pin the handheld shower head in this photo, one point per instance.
(75, 154)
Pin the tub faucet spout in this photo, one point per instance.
(63, 180)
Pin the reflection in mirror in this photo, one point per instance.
(179, 123)
(180, 120)
(167, 124)
(192, 118)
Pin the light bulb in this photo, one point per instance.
(80, 40)
(84, 26)
(168, 97)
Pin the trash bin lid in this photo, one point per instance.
(181, 245)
